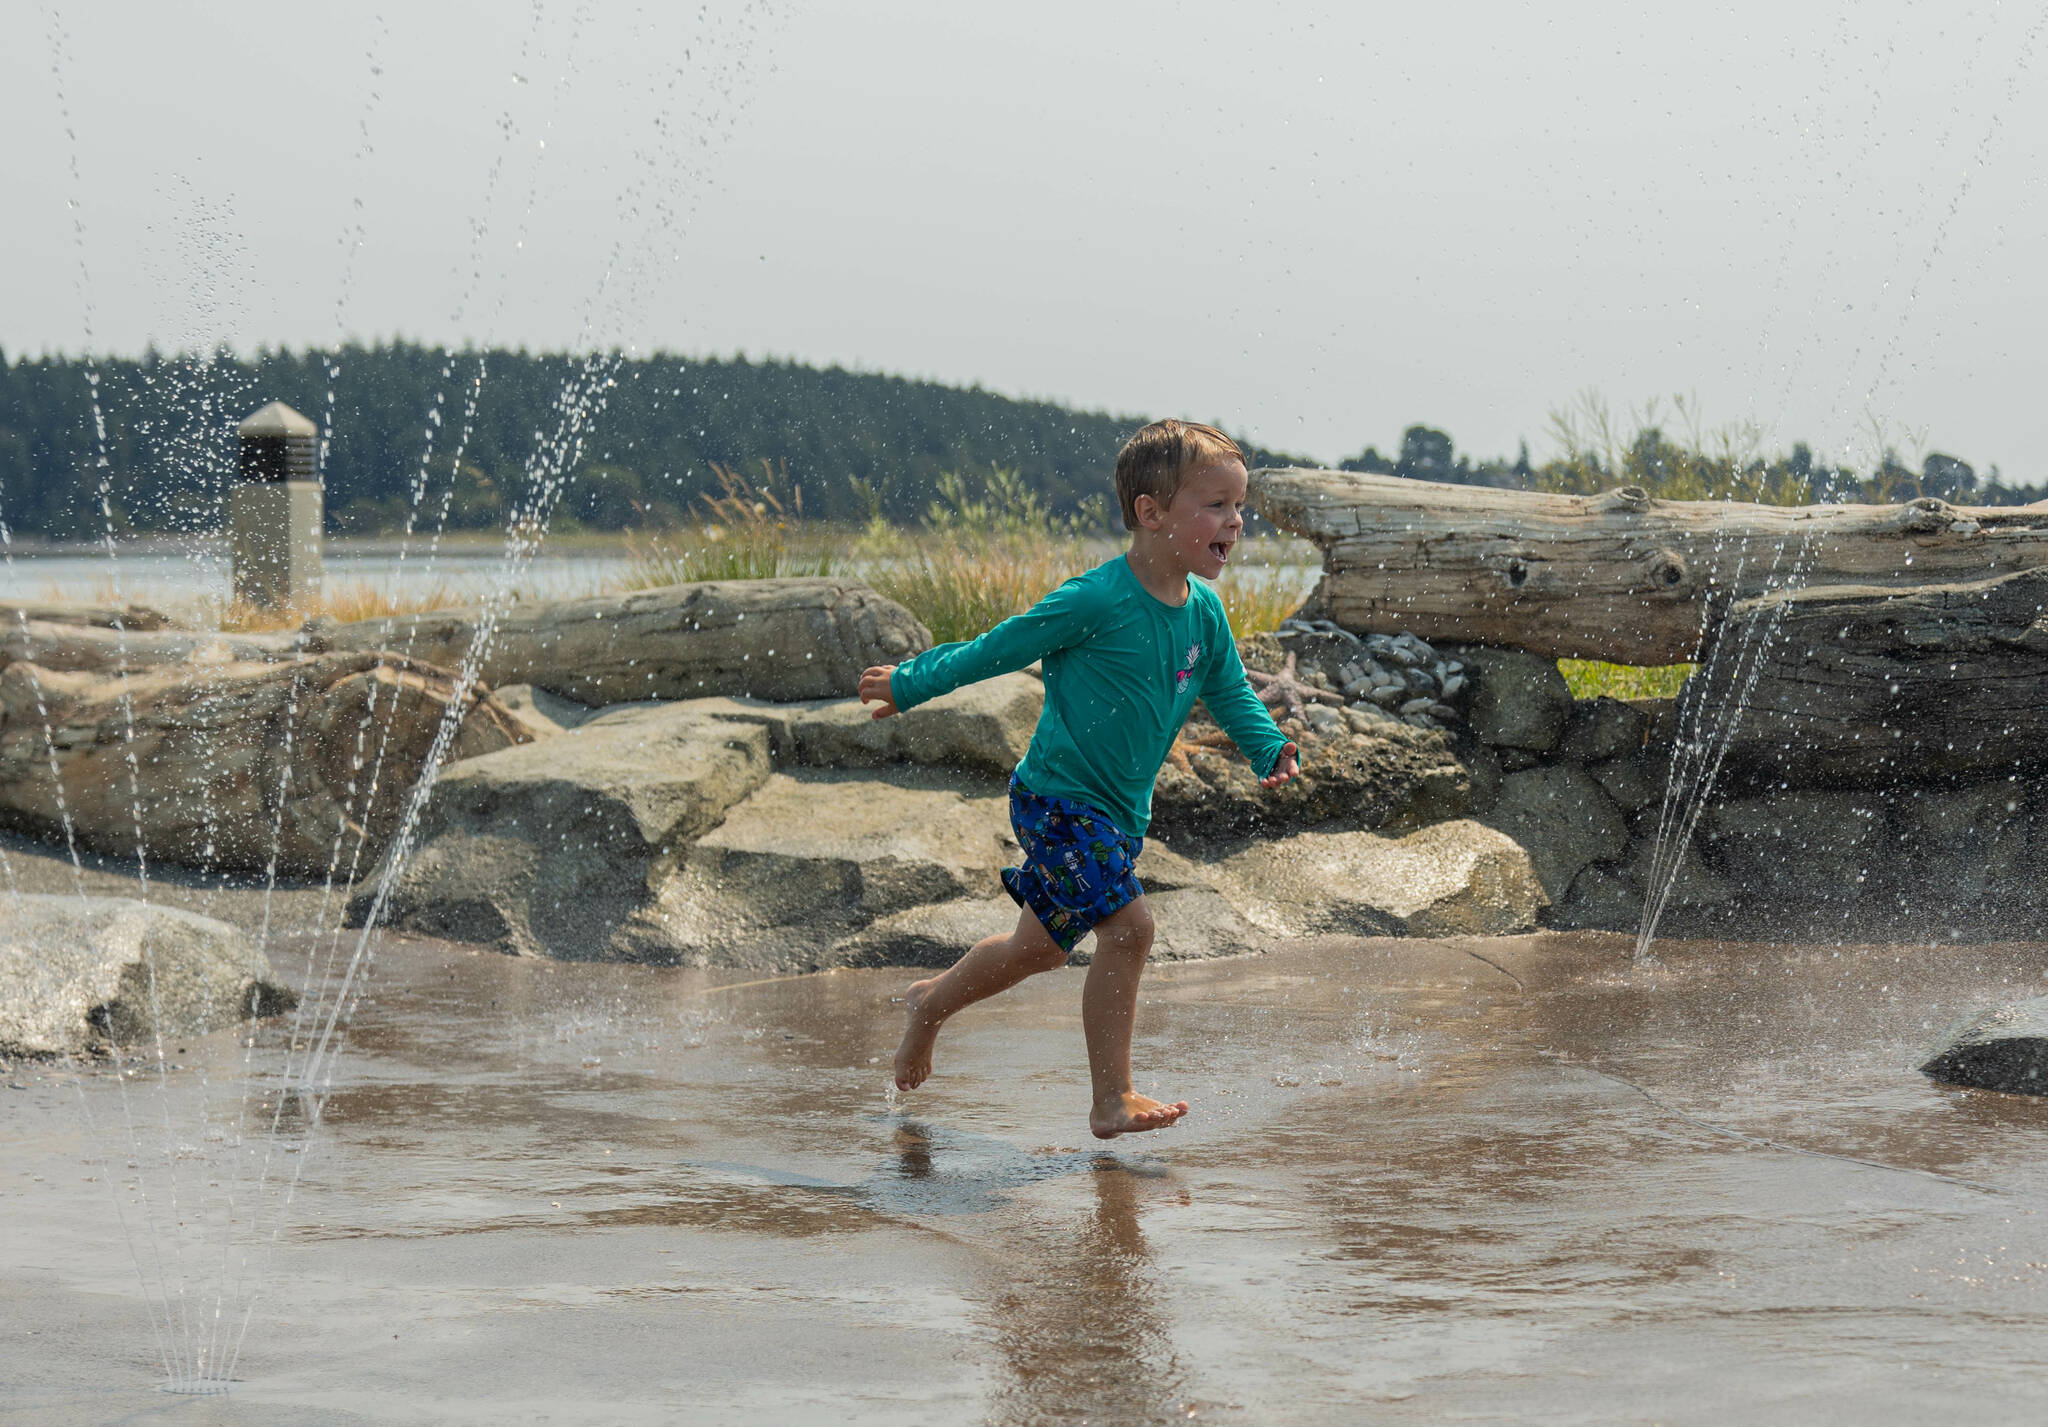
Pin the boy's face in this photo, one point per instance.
(1205, 518)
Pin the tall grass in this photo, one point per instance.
(744, 533)
(959, 588)
(342, 603)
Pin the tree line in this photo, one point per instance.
(448, 439)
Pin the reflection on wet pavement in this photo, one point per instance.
(1514, 1180)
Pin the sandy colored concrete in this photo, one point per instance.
(1513, 1180)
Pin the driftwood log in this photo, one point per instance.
(1862, 686)
(1616, 576)
(101, 616)
(230, 765)
(767, 639)
(90, 649)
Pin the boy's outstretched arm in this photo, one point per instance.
(1061, 618)
(874, 688)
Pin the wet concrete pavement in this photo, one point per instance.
(1513, 1180)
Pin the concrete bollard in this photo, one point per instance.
(275, 510)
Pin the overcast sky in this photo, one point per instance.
(1316, 224)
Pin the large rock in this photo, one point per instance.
(78, 971)
(932, 936)
(764, 639)
(984, 728)
(1560, 815)
(1364, 770)
(813, 858)
(1518, 699)
(237, 765)
(2005, 1049)
(1602, 728)
(565, 847)
(1189, 924)
(1453, 879)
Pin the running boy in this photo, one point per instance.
(1127, 649)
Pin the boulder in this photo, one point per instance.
(764, 639)
(1452, 879)
(1601, 728)
(2005, 1049)
(1190, 924)
(1193, 924)
(1609, 896)
(232, 766)
(545, 714)
(983, 728)
(932, 936)
(1518, 699)
(814, 857)
(1560, 815)
(1631, 783)
(1366, 772)
(76, 972)
(565, 847)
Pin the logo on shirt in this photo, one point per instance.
(1187, 671)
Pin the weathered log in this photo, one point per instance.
(767, 639)
(232, 765)
(80, 648)
(1616, 576)
(1862, 686)
(100, 616)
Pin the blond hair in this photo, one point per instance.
(1154, 460)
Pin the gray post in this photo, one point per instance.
(275, 510)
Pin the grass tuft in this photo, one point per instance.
(1590, 678)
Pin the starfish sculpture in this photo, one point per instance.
(1285, 693)
(1201, 742)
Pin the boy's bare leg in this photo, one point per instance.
(995, 964)
(1109, 1013)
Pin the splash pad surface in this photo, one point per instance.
(1511, 1179)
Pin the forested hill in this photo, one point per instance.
(856, 443)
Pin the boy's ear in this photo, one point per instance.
(1149, 511)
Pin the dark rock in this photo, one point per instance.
(1631, 782)
(1560, 815)
(2005, 1049)
(1518, 699)
(1601, 728)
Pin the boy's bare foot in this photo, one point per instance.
(914, 1056)
(1129, 1113)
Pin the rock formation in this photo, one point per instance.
(77, 972)
(232, 766)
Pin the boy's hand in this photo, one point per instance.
(1284, 769)
(874, 688)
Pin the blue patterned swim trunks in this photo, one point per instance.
(1077, 864)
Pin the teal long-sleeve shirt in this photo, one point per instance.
(1122, 672)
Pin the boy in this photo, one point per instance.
(1127, 648)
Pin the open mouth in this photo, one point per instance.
(1220, 549)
